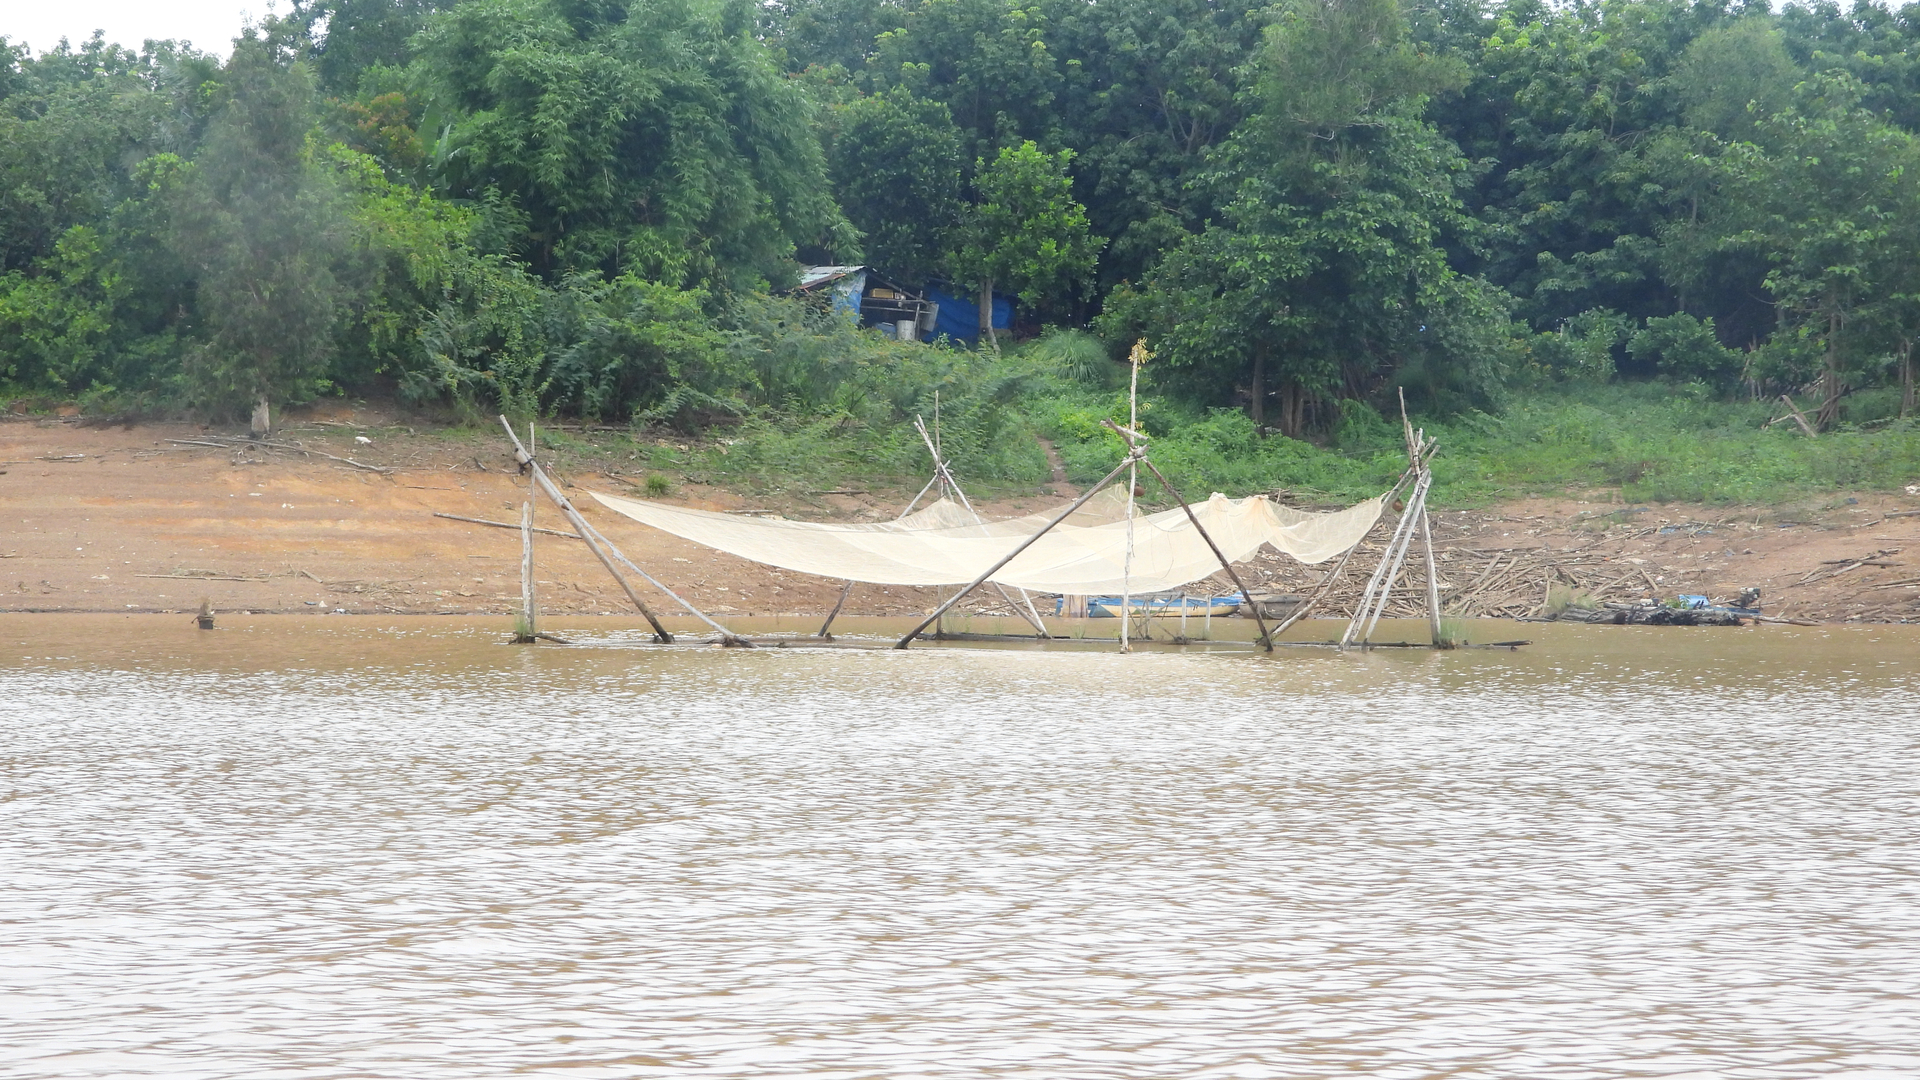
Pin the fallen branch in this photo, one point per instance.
(222, 442)
(506, 525)
(1797, 417)
(198, 577)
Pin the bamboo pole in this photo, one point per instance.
(1415, 506)
(1433, 580)
(1798, 416)
(1326, 583)
(835, 613)
(1015, 553)
(1232, 574)
(1374, 582)
(506, 525)
(529, 612)
(1135, 357)
(586, 532)
(1326, 586)
(1416, 472)
(945, 475)
(727, 637)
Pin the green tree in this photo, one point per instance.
(989, 61)
(1563, 103)
(1326, 273)
(263, 226)
(656, 138)
(830, 33)
(74, 123)
(1150, 88)
(1733, 76)
(1025, 233)
(1686, 348)
(349, 38)
(895, 164)
(1833, 206)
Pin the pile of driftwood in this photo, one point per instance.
(1509, 582)
(1648, 613)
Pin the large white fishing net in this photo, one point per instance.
(1083, 555)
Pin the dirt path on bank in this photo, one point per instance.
(139, 519)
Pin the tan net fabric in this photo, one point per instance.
(1084, 555)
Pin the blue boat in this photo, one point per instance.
(1109, 607)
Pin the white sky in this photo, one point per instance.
(210, 24)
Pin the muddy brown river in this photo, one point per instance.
(318, 847)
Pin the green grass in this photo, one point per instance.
(1648, 442)
(845, 421)
(1651, 442)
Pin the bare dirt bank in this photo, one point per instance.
(137, 519)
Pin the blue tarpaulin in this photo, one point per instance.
(847, 292)
(958, 317)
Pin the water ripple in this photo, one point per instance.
(445, 863)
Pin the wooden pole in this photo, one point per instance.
(528, 631)
(945, 475)
(586, 532)
(1373, 582)
(835, 613)
(1232, 574)
(1415, 505)
(1798, 417)
(1015, 553)
(507, 524)
(1135, 357)
(1326, 584)
(727, 637)
(1433, 580)
(848, 590)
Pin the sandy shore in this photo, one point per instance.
(139, 519)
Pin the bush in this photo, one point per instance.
(1686, 348)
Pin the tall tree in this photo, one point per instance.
(1326, 272)
(1026, 234)
(830, 33)
(352, 37)
(658, 138)
(263, 226)
(896, 164)
(1563, 101)
(990, 61)
(1833, 205)
(1151, 87)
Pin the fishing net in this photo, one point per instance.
(1083, 555)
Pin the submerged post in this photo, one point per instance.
(1015, 553)
(528, 631)
(1433, 583)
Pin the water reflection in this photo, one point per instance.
(335, 847)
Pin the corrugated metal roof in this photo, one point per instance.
(811, 276)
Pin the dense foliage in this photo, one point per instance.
(590, 207)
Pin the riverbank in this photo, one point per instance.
(154, 517)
